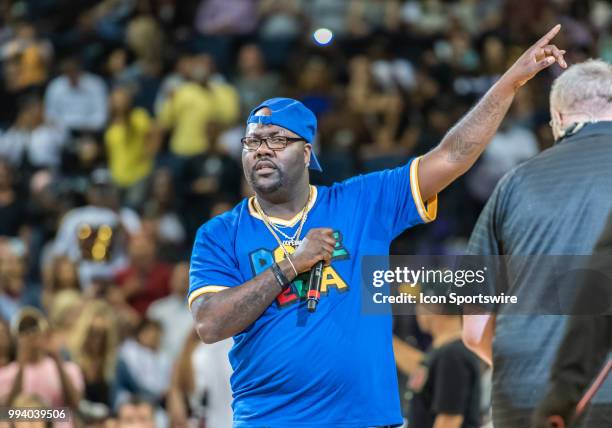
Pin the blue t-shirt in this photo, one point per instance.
(334, 367)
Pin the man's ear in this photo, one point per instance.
(557, 116)
(557, 124)
(307, 151)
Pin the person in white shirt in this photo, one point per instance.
(142, 368)
(172, 312)
(94, 236)
(212, 372)
(32, 138)
(200, 390)
(77, 100)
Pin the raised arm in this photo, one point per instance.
(228, 312)
(464, 143)
(71, 394)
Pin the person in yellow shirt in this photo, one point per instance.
(194, 105)
(131, 143)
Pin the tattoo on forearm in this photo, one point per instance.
(237, 308)
(459, 150)
(471, 135)
(247, 308)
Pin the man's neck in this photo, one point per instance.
(285, 206)
(602, 116)
(448, 331)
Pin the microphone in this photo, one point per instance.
(314, 286)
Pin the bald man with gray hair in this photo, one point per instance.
(554, 204)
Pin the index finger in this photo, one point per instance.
(548, 36)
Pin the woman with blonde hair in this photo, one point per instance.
(93, 347)
(63, 308)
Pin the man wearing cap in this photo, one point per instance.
(249, 266)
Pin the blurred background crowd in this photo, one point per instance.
(120, 126)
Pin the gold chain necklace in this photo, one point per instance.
(295, 235)
(294, 240)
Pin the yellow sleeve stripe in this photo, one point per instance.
(428, 210)
(206, 289)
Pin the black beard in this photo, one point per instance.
(270, 188)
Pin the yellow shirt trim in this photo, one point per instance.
(428, 210)
(206, 289)
(292, 221)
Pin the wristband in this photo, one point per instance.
(282, 280)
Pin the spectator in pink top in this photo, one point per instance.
(37, 370)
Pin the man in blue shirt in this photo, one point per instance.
(249, 267)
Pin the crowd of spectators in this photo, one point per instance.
(120, 126)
